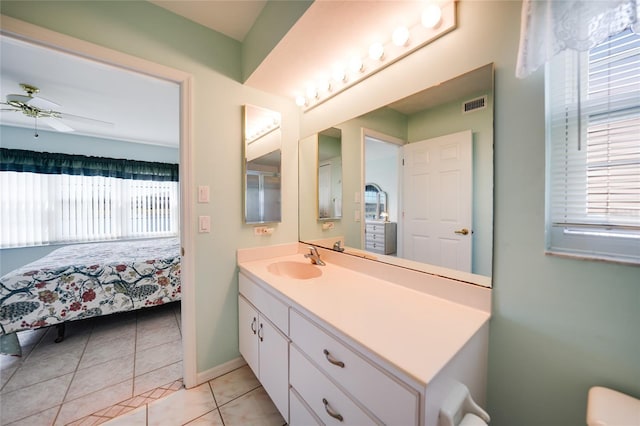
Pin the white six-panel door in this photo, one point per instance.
(437, 201)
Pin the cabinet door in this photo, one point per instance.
(274, 365)
(248, 323)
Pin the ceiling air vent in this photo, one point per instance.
(474, 104)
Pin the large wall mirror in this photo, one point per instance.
(417, 181)
(262, 165)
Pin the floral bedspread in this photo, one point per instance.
(87, 280)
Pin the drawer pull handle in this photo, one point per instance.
(261, 333)
(330, 411)
(332, 360)
(253, 325)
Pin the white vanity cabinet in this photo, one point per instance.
(263, 328)
(328, 356)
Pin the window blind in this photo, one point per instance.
(593, 149)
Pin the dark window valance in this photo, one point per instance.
(18, 160)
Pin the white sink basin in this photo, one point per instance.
(297, 270)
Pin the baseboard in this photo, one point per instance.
(219, 370)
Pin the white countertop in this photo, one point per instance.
(414, 331)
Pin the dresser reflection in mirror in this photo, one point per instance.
(380, 234)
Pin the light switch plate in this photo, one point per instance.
(356, 215)
(204, 224)
(203, 194)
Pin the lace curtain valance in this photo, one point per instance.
(551, 26)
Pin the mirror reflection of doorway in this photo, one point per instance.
(437, 201)
(381, 194)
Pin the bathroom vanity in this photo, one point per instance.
(358, 343)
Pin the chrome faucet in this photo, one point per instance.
(314, 256)
(336, 246)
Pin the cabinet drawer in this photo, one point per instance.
(371, 227)
(388, 399)
(272, 308)
(378, 247)
(374, 237)
(299, 413)
(322, 395)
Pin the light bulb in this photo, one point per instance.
(324, 86)
(431, 16)
(355, 64)
(400, 36)
(338, 74)
(376, 51)
(300, 101)
(312, 92)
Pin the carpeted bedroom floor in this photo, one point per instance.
(125, 366)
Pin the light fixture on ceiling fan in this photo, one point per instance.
(40, 108)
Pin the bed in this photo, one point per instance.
(82, 281)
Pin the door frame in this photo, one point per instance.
(31, 33)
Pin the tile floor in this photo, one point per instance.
(101, 362)
(235, 399)
(122, 369)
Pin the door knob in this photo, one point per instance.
(463, 231)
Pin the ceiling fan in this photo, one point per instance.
(43, 109)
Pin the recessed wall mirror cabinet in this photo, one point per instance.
(417, 181)
(262, 165)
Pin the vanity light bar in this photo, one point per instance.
(437, 19)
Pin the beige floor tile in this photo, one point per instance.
(157, 378)
(72, 345)
(89, 380)
(252, 409)
(107, 350)
(233, 384)
(33, 399)
(48, 368)
(7, 370)
(112, 331)
(158, 356)
(182, 406)
(43, 418)
(212, 418)
(137, 417)
(91, 403)
(157, 336)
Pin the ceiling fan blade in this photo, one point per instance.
(43, 103)
(56, 124)
(78, 118)
(24, 99)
